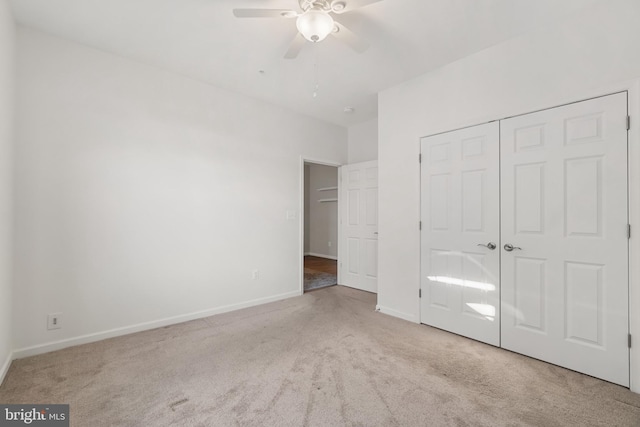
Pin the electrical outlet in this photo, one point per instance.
(255, 275)
(329, 244)
(54, 321)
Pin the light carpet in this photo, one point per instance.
(323, 359)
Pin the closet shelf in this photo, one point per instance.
(327, 188)
(327, 200)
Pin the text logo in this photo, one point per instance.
(34, 415)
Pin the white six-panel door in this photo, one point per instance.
(556, 286)
(460, 275)
(564, 209)
(359, 218)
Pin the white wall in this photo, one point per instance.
(584, 56)
(363, 141)
(145, 198)
(323, 217)
(7, 42)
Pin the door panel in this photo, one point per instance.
(564, 203)
(460, 211)
(530, 293)
(359, 268)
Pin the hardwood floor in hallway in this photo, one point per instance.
(321, 264)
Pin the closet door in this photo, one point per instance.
(564, 236)
(460, 260)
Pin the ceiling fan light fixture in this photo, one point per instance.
(315, 24)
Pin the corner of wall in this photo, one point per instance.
(7, 143)
(4, 369)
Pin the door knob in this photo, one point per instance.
(489, 245)
(509, 247)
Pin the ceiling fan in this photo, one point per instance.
(315, 22)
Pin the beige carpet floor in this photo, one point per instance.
(322, 359)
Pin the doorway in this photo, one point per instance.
(321, 222)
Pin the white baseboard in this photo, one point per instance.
(395, 313)
(5, 367)
(99, 336)
(335, 258)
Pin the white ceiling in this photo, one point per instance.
(203, 40)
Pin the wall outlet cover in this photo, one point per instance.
(54, 321)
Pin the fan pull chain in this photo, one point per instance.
(315, 73)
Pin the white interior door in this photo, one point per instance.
(359, 212)
(564, 209)
(460, 278)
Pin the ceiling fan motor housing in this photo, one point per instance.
(318, 4)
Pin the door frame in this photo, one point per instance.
(633, 138)
(323, 162)
(632, 87)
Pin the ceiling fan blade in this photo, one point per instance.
(339, 6)
(264, 13)
(296, 46)
(347, 37)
